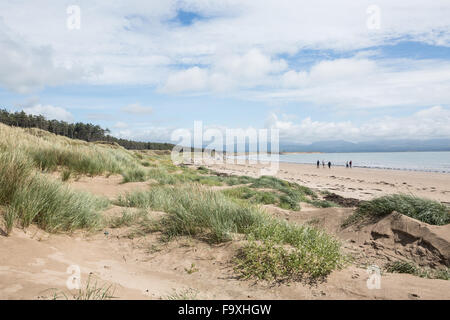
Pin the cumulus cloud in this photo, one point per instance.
(136, 108)
(192, 79)
(425, 124)
(25, 67)
(226, 72)
(120, 125)
(364, 83)
(50, 112)
(235, 46)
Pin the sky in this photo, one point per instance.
(315, 70)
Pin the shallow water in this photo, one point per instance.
(417, 161)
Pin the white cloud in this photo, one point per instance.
(192, 79)
(226, 72)
(25, 67)
(50, 112)
(364, 83)
(425, 124)
(136, 108)
(120, 125)
(131, 42)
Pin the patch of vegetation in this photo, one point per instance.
(49, 152)
(65, 175)
(211, 216)
(286, 195)
(127, 219)
(322, 203)
(401, 267)
(252, 195)
(133, 175)
(411, 268)
(428, 211)
(30, 197)
(91, 291)
(191, 269)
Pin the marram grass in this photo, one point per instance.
(425, 210)
(193, 210)
(30, 197)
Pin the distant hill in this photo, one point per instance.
(370, 146)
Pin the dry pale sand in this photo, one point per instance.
(33, 264)
(360, 183)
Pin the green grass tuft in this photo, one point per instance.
(133, 175)
(411, 268)
(212, 216)
(428, 211)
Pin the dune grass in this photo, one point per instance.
(425, 210)
(411, 268)
(50, 152)
(134, 175)
(195, 211)
(29, 197)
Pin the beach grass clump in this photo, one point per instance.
(134, 175)
(425, 210)
(195, 211)
(92, 290)
(49, 152)
(127, 219)
(29, 197)
(282, 251)
(411, 268)
(252, 195)
(322, 203)
(66, 174)
(286, 195)
(209, 215)
(55, 207)
(401, 267)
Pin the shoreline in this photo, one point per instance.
(367, 167)
(359, 182)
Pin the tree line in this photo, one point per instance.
(83, 131)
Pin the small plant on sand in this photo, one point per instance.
(65, 175)
(127, 219)
(428, 211)
(401, 267)
(191, 269)
(91, 291)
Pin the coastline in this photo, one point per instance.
(358, 182)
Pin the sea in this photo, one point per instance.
(414, 161)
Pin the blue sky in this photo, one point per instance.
(314, 71)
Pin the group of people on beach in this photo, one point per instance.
(349, 164)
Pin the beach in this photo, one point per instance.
(359, 183)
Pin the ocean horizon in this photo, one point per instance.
(438, 161)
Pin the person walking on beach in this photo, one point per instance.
(318, 164)
(323, 163)
(351, 164)
(329, 164)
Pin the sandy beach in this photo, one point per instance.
(359, 183)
